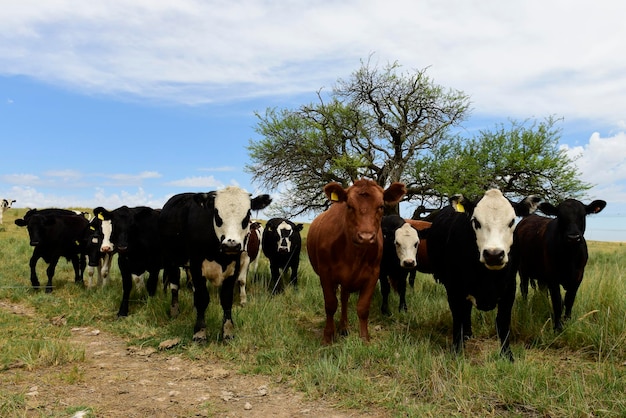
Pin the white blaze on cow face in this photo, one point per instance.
(284, 231)
(406, 242)
(493, 222)
(232, 218)
(107, 228)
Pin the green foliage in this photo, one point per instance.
(521, 159)
(407, 369)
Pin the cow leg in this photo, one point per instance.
(79, 267)
(330, 306)
(503, 322)
(557, 306)
(50, 273)
(294, 273)
(570, 296)
(401, 287)
(153, 280)
(277, 279)
(227, 291)
(412, 275)
(362, 308)
(173, 277)
(201, 299)
(385, 289)
(33, 270)
(343, 317)
(523, 284)
(242, 278)
(103, 276)
(461, 310)
(127, 285)
(82, 266)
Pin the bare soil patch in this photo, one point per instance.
(116, 380)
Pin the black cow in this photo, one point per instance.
(132, 233)
(207, 230)
(469, 245)
(553, 251)
(56, 233)
(281, 245)
(400, 243)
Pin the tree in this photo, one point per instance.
(372, 125)
(522, 159)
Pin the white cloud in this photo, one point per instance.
(197, 182)
(602, 161)
(518, 58)
(20, 179)
(132, 179)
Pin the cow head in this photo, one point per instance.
(231, 219)
(571, 216)
(283, 233)
(117, 225)
(365, 202)
(6, 203)
(493, 220)
(406, 242)
(94, 241)
(36, 224)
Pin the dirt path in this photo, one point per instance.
(119, 381)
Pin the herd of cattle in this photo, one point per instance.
(475, 249)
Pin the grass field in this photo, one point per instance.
(406, 370)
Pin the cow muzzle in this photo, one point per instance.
(230, 247)
(494, 259)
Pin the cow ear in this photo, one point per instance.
(21, 222)
(460, 204)
(100, 213)
(527, 206)
(548, 208)
(260, 202)
(335, 193)
(204, 199)
(299, 227)
(595, 206)
(394, 193)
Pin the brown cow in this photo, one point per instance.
(345, 246)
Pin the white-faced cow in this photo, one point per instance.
(345, 245)
(133, 234)
(423, 262)
(281, 245)
(56, 233)
(469, 244)
(98, 262)
(553, 251)
(207, 230)
(400, 244)
(5, 204)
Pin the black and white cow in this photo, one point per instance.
(56, 233)
(134, 234)
(281, 245)
(249, 258)
(553, 251)
(468, 246)
(207, 230)
(400, 244)
(98, 262)
(5, 204)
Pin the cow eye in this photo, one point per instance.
(218, 219)
(246, 221)
(475, 223)
(511, 223)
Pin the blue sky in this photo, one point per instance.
(129, 102)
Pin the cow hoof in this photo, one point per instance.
(48, 289)
(200, 336)
(228, 330)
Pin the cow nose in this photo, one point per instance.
(34, 243)
(230, 246)
(493, 257)
(122, 248)
(365, 237)
(574, 237)
(408, 263)
(105, 249)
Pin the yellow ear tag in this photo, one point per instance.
(460, 208)
(334, 197)
(100, 217)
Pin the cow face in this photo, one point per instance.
(117, 225)
(231, 219)
(365, 202)
(493, 222)
(36, 225)
(406, 242)
(571, 217)
(6, 204)
(94, 241)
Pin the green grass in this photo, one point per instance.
(406, 370)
